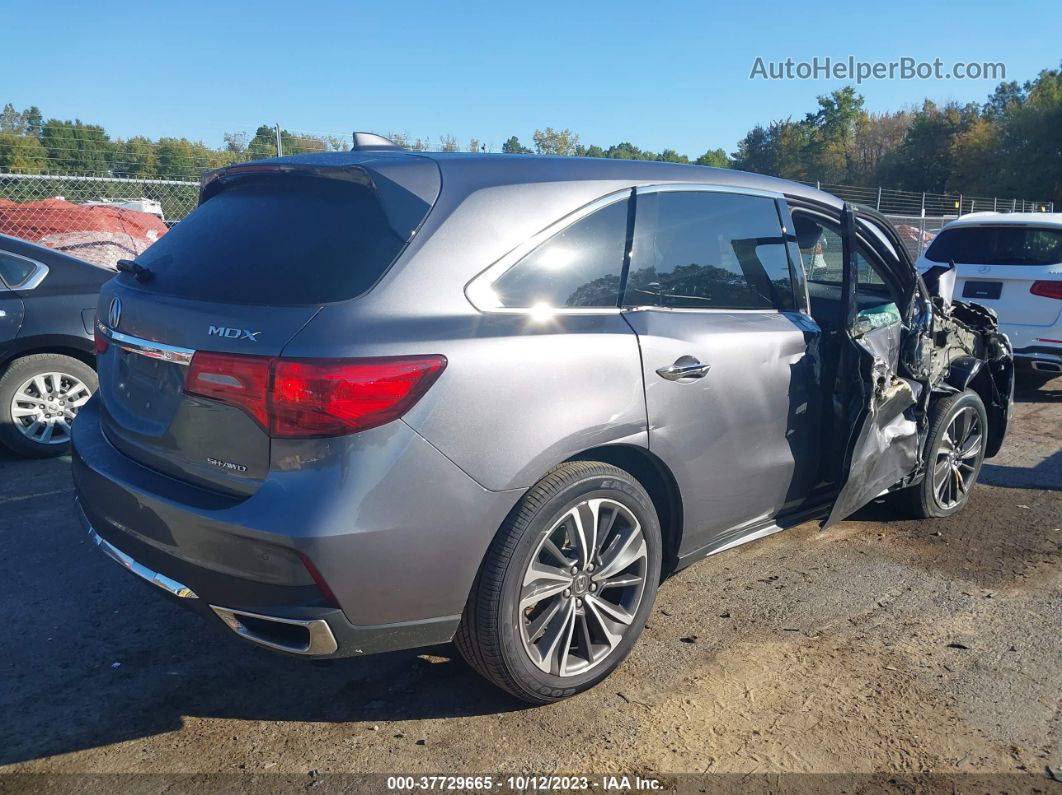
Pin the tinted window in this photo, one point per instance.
(997, 245)
(15, 270)
(579, 266)
(708, 251)
(823, 261)
(280, 240)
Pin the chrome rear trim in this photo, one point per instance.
(160, 580)
(149, 348)
(321, 640)
(1046, 366)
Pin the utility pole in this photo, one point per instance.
(280, 145)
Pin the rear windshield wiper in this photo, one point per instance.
(139, 272)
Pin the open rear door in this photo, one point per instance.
(881, 445)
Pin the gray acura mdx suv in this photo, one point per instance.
(380, 399)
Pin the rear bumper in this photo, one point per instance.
(395, 529)
(303, 631)
(1044, 359)
(1033, 338)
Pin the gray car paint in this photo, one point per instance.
(732, 438)
(398, 518)
(378, 512)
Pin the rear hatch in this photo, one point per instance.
(268, 246)
(998, 265)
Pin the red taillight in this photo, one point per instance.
(100, 340)
(1047, 289)
(328, 398)
(238, 380)
(299, 398)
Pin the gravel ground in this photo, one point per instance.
(879, 645)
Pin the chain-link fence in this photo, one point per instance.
(918, 231)
(918, 217)
(936, 205)
(99, 219)
(170, 199)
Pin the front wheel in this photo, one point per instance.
(567, 585)
(955, 450)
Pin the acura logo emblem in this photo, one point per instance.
(115, 313)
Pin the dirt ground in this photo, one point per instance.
(879, 645)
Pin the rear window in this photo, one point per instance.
(15, 270)
(997, 245)
(277, 240)
(579, 267)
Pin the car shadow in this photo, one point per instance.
(95, 656)
(1045, 476)
(1033, 390)
(150, 677)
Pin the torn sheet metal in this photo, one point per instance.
(885, 450)
(970, 352)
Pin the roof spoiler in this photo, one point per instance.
(367, 140)
(408, 186)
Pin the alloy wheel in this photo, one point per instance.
(44, 407)
(582, 587)
(957, 456)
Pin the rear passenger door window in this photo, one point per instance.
(821, 257)
(15, 271)
(823, 263)
(579, 267)
(708, 250)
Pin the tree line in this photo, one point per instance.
(30, 144)
(1009, 145)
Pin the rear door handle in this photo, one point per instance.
(684, 367)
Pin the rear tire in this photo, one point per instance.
(566, 586)
(955, 450)
(51, 384)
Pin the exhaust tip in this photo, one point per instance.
(1047, 367)
(310, 637)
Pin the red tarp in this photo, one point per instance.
(99, 234)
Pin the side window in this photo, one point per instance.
(578, 267)
(820, 251)
(866, 273)
(821, 256)
(15, 270)
(823, 262)
(708, 250)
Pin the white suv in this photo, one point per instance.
(1012, 263)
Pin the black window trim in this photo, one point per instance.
(479, 289)
(35, 277)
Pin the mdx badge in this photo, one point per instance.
(114, 315)
(233, 333)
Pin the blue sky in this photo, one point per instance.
(657, 74)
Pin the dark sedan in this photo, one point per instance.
(47, 357)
